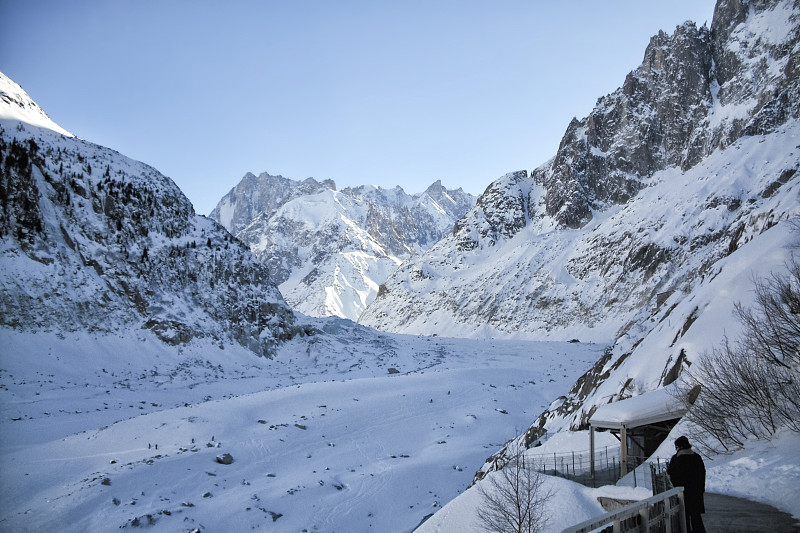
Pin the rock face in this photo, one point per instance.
(261, 194)
(696, 91)
(331, 250)
(584, 239)
(92, 240)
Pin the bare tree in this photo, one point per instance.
(751, 386)
(514, 498)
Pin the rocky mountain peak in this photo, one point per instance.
(499, 213)
(331, 250)
(436, 189)
(264, 193)
(644, 126)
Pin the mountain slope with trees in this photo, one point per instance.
(92, 240)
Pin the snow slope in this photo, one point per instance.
(17, 105)
(333, 265)
(549, 283)
(642, 197)
(93, 240)
(104, 432)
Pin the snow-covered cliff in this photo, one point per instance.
(92, 240)
(689, 159)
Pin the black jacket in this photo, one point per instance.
(686, 469)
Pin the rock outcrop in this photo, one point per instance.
(92, 240)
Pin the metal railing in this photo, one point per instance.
(663, 513)
(660, 481)
(575, 466)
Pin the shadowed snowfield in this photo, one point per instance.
(324, 437)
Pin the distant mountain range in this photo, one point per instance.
(330, 250)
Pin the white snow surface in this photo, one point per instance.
(656, 405)
(103, 432)
(17, 105)
(324, 436)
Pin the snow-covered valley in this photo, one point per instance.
(318, 443)
(324, 437)
(157, 372)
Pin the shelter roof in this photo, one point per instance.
(648, 408)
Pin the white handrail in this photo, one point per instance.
(639, 508)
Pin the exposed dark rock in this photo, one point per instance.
(119, 249)
(225, 459)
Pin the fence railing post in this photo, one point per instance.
(661, 506)
(668, 517)
(682, 504)
(644, 516)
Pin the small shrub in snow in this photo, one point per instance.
(513, 498)
(750, 387)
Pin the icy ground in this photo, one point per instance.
(352, 431)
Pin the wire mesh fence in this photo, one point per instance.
(577, 466)
(658, 474)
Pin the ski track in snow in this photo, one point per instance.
(315, 448)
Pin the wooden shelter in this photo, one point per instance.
(641, 424)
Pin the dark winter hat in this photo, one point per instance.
(682, 443)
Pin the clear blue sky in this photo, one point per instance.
(361, 92)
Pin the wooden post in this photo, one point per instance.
(591, 453)
(644, 515)
(623, 454)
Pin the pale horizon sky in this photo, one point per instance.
(361, 92)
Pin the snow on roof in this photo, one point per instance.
(648, 408)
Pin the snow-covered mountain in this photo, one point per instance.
(128, 323)
(647, 225)
(331, 250)
(92, 240)
(644, 195)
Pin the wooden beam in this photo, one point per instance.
(591, 453)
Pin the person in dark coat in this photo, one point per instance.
(686, 469)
